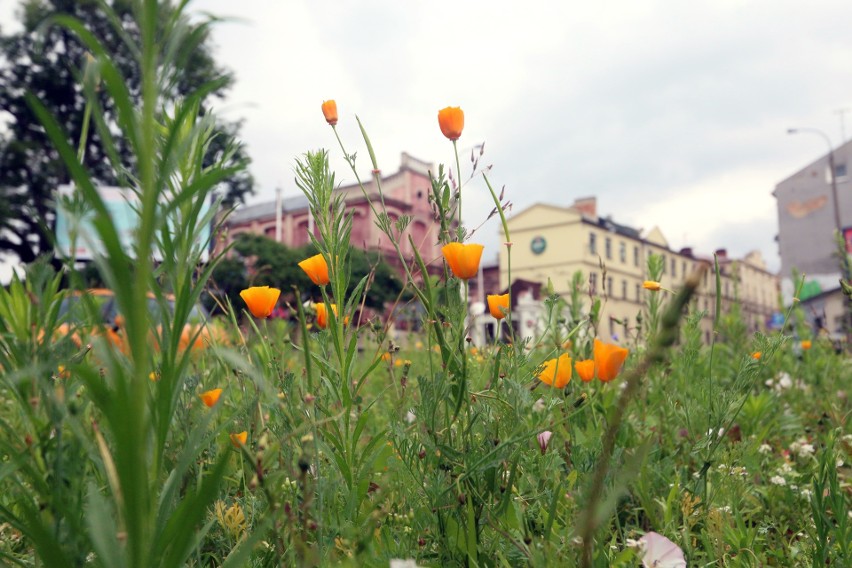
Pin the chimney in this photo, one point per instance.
(587, 206)
(722, 254)
(686, 251)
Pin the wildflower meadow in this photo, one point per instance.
(239, 440)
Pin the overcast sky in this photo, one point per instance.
(671, 113)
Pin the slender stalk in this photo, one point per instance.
(663, 340)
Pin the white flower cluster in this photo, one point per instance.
(765, 448)
(802, 448)
(736, 470)
(777, 480)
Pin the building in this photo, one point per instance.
(553, 242)
(406, 192)
(808, 220)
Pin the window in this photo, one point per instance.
(593, 282)
(638, 293)
(608, 246)
(840, 171)
(635, 256)
(664, 264)
(612, 328)
(624, 289)
(622, 251)
(593, 243)
(674, 267)
(609, 289)
(683, 269)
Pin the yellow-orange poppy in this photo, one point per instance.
(316, 268)
(806, 344)
(329, 111)
(585, 369)
(451, 121)
(608, 360)
(556, 372)
(463, 258)
(240, 439)
(322, 314)
(260, 300)
(211, 397)
(651, 285)
(756, 355)
(386, 356)
(498, 305)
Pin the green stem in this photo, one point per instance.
(458, 176)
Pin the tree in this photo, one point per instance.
(48, 61)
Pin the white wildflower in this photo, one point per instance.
(785, 382)
(538, 406)
(806, 494)
(778, 480)
(801, 448)
(765, 449)
(410, 417)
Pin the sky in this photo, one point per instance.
(673, 114)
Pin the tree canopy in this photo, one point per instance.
(49, 62)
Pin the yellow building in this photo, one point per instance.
(553, 242)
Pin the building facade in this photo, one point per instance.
(406, 192)
(807, 218)
(553, 242)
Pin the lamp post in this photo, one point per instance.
(831, 169)
(845, 263)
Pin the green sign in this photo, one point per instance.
(538, 245)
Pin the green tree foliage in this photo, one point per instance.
(49, 62)
(261, 261)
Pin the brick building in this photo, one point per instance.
(406, 192)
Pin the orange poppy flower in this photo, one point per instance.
(211, 397)
(608, 360)
(260, 300)
(806, 344)
(463, 258)
(322, 314)
(651, 285)
(451, 121)
(329, 111)
(756, 355)
(386, 356)
(240, 439)
(556, 372)
(498, 305)
(316, 268)
(585, 369)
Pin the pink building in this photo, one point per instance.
(406, 192)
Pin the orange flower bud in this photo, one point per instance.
(608, 360)
(756, 355)
(322, 314)
(556, 372)
(806, 344)
(239, 440)
(316, 268)
(211, 397)
(329, 111)
(498, 305)
(651, 285)
(260, 300)
(585, 369)
(463, 259)
(451, 121)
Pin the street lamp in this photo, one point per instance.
(830, 167)
(845, 264)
